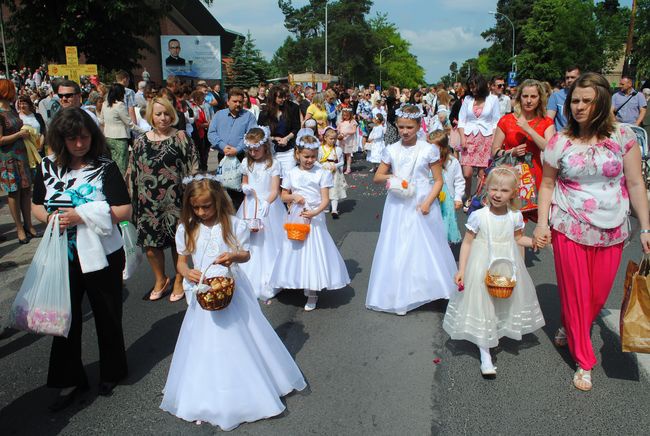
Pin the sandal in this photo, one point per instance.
(560, 339)
(154, 295)
(582, 380)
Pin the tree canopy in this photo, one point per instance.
(248, 66)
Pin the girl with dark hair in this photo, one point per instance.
(74, 180)
(117, 126)
(283, 119)
(477, 120)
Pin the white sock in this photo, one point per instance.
(486, 357)
(335, 206)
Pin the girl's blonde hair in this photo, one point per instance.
(499, 173)
(327, 132)
(222, 204)
(439, 137)
(306, 139)
(254, 135)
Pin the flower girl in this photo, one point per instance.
(229, 366)
(376, 141)
(262, 210)
(492, 236)
(413, 263)
(453, 187)
(315, 263)
(331, 159)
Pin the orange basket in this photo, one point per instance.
(297, 231)
(499, 286)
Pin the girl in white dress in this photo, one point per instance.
(493, 232)
(229, 366)
(261, 180)
(376, 141)
(315, 263)
(331, 159)
(413, 263)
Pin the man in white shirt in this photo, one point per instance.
(140, 99)
(497, 85)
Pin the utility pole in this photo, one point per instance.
(630, 38)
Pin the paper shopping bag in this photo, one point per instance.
(635, 311)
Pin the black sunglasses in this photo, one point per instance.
(500, 85)
(70, 95)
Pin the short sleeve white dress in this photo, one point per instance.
(264, 245)
(314, 264)
(473, 314)
(229, 366)
(413, 263)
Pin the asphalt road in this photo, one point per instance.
(368, 372)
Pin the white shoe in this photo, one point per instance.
(488, 371)
(401, 313)
(311, 303)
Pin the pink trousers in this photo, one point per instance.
(585, 276)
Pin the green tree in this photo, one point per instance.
(108, 33)
(241, 72)
(642, 39)
(499, 54)
(612, 23)
(399, 66)
(557, 34)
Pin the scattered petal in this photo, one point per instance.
(436, 360)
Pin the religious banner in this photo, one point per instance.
(191, 56)
(72, 69)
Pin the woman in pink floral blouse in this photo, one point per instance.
(592, 172)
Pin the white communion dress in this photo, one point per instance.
(413, 263)
(476, 316)
(265, 244)
(229, 366)
(314, 264)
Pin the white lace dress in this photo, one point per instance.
(413, 263)
(264, 245)
(229, 366)
(473, 314)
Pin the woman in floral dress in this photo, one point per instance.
(592, 172)
(15, 174)
(160, 160)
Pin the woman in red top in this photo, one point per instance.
(528, 129)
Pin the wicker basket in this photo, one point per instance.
(219, 295)
(297, 231)
(500, 278)
(499, 286)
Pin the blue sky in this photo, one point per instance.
(440, 31)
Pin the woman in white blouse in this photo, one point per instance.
(117, 126)
(477, 121)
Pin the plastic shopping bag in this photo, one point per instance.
(229, 173)
(131, 250)
(43, 301)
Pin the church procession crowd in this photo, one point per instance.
(98, 162)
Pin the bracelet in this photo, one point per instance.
(644, 231)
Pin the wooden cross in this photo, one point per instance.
(72, 69)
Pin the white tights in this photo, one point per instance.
(335, 206)
(486, 357)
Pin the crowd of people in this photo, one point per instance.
(538, 154)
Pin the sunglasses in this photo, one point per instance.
(500, 85)
(70, 95)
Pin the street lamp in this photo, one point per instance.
(380, 53)
(325, 36)
(513, 36)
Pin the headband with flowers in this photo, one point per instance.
(201, 176)
(400, 113)
(267, 134)
(302, 144)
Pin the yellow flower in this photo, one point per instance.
(442, 197)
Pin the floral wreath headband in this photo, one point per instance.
(412, 116)
(312, 146)
(267, 134)
(197, 177)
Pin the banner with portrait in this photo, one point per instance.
(191, 56)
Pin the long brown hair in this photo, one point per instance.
(222, 204)
(439, 138)
(601, 123)
(256, 134)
